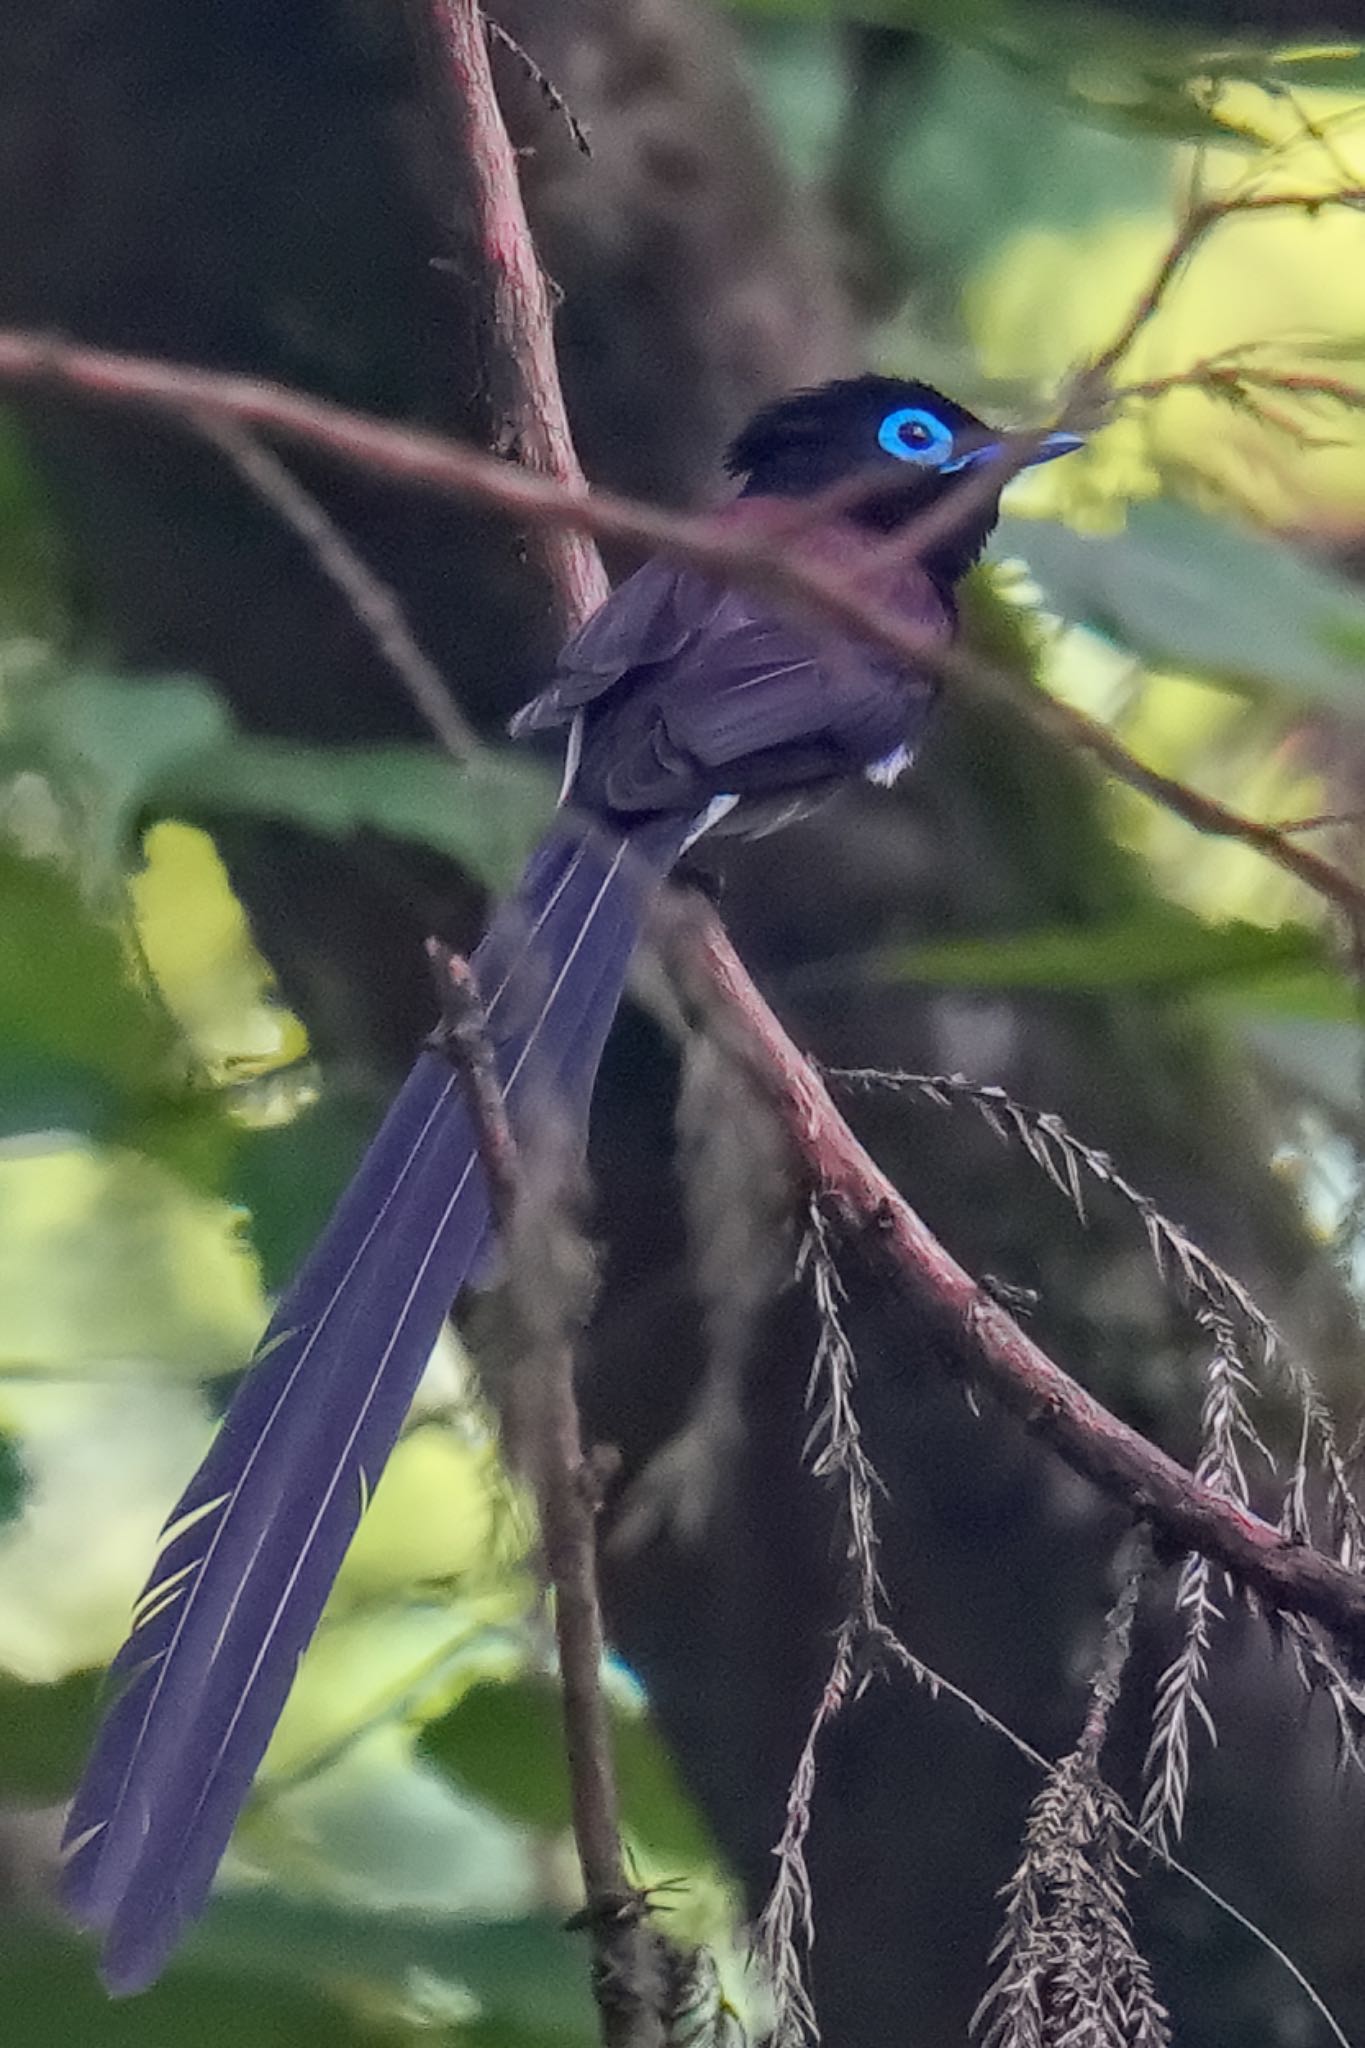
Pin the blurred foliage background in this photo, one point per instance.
(224, 833)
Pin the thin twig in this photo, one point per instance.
(462, 1035)
(375, 604)
(1064, 1156)
(1217, 1297)
(1069, 1970)
(937, 1686)
(1198, 224)
(1076, 728)
(543, 83)
(1239, 382)
(627, 1979)
(1115, 1646)
(785, 1933)
(1224, 1310)
(1180, 1703)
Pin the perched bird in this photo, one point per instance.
(689, 707)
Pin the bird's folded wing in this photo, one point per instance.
(648, 621)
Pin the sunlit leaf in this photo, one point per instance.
(107, 1442)
(1202, 596)
(54, 955)
(505, 1743)
(195, 939)
(108, 1256)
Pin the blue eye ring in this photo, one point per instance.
(913, 435)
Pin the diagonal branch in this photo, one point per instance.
(406, 456)
(374, 603)
(1183, 1511)
(1067, 722)
(1198, 224)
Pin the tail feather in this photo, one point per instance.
(250, 1552)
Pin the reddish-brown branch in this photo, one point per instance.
(408, 457)
(1093, 1441)
(1123, 1464)
(524, 358)
(1078, 729)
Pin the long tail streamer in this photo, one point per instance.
(250, 1552)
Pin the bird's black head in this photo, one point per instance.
(905, 436)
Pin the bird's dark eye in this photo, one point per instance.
(913, 435)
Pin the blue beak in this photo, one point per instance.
(1054, 445)
(1048, 449)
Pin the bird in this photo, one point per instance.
(689, 706)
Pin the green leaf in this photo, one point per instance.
(289, 1176)
(1129, 65)
(78, 1039)
(45, 1734)
(486, 812)
(1198, 595)
(104, 742)
(51, 1998)
(527, 1974)
(84, 1046)
(31, 553)
(504, 1742)
(1157, 949)
(13, 1487)
(1310, 995)
(118, 749)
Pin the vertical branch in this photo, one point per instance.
(522, 317)
(628, 1961)
(628, 1976)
